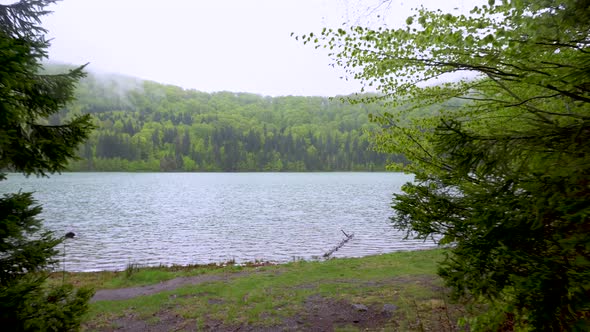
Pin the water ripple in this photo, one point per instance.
(197, 218)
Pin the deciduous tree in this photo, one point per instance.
(502, 163)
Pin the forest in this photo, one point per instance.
(147, 126)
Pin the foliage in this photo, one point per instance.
(153, 127)
(30, 146)
(502, 169)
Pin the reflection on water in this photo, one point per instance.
(190, 218)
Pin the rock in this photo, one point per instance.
(389, 308)
(360, 307)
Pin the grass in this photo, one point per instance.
(136, 275)
(271, 295)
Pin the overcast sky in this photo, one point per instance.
(233, 45)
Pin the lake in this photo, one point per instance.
(198, 218)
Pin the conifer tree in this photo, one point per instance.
(30, 146)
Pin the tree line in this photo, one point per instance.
(146, 126)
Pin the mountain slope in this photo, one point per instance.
(146, 126)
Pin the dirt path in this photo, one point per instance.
(168, 285)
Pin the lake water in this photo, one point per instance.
(190, 218)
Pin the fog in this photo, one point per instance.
(241, 46)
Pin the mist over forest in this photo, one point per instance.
(147, 126)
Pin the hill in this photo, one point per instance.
(147, 126)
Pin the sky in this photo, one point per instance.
(212, 45)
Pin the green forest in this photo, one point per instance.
(147, 126)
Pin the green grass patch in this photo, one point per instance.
(271, 295)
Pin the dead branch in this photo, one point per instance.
(340, 245)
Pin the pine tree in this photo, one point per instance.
(30, 146)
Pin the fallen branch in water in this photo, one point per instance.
(340, 245)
